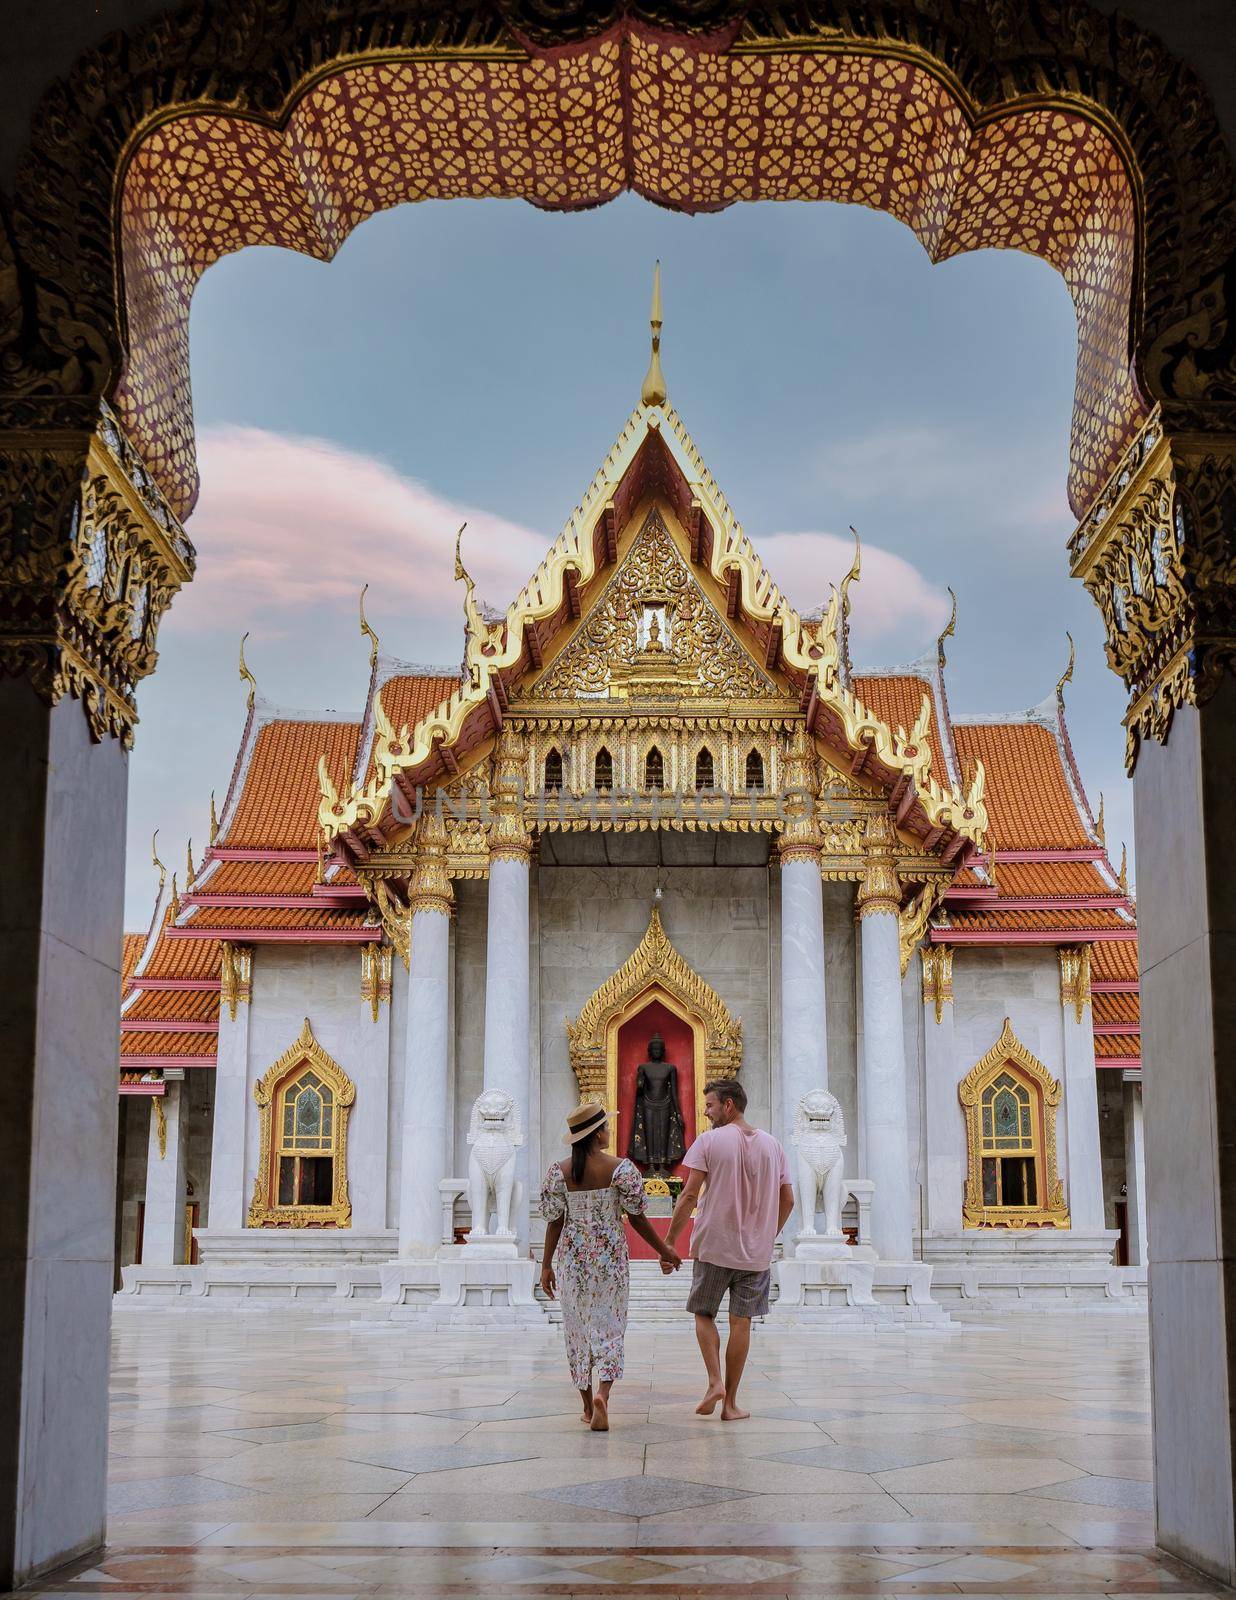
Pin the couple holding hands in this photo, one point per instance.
(738, 1185)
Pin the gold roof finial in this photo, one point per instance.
(1100, 826)
(368, 632)
(214, 819)
(174, 907)
(154, 856)
(653, 393)
(1123, 878)
(245, 675)
(1067, 674)
(854, 574)
(190, 870)
(460, 570)
(950, 631)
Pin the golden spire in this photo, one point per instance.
(214, 819)
(1100, 826)
(190, 870)
(1123, 878)
(174, 907)
(1067, 674)
(154, 856)
(245, 675)
(368, 632)
(950, 631)
(653, 393)
(853, 575)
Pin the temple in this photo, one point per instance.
(654, 801)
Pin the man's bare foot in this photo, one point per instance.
(600, 1416)
(711, 1400)
(731, 1413)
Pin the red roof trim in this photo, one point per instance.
(1029, 936)
(174, 985)
(1042, 902)
(1124, 1063)
(1111, 1030)
(278, 935)
(142, 1088)
(132, 1063)
(1078, 854)
(132, 1024)
(278, 902)
(1115, 986)
(227, 852)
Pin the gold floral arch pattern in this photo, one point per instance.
(693, 127)
(1008, 1051)
(654, 965)
(304, 1052)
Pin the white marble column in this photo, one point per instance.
(945, 1125)
(426, 1071)
(163, 1226)
(229, 1197)
(1135, 1174)
(883, 1068)
(1081, 1092)
(62, 865)
(803, 1062)
(507, 967)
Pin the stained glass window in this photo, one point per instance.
(1010, 1148)
(306, 1147)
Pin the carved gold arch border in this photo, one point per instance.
(1008, 1051)
(306, 1051)
(654, 970)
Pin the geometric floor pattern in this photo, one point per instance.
(260, 1454)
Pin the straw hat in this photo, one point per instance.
(585, 1119)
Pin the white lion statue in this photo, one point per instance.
(818, 1141)
(494, 1135)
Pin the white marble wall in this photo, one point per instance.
(1019, 982)
(471, 932)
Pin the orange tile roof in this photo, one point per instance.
(134, 944)
(1057, 878)
(184, 958)
(1028, 797)
(228, 917)
(898, 701)
(408, 698)
(167, 1044)
(993, 919)
(1115, 1047)
(1114, 960)
(258, 877)
(1116, 1007)
(278, 806)
(179, 1005)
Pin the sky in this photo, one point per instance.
(476, 359)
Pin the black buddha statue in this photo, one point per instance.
(657, 1135)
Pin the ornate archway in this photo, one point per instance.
(654, 971)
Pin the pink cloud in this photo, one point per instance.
(287, 523)
(893, 606)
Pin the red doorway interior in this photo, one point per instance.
(633, 1037)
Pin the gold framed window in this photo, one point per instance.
(1010, 1101)
(302, 1179)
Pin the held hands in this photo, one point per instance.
(670, 1260)
(549, 1283)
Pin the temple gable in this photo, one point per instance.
(653, 631)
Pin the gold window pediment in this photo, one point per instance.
(653, 633)
(1011, 1102)
(303, 1080)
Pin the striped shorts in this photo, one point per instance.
(748, 1291)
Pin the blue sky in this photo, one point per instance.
(478, 358)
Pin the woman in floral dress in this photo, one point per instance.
(583, 1200)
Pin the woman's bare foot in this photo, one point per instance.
(731, 1413)
(587, 1416)
(600, 1415)
(711, 1400)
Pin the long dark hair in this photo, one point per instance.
(579, 1155)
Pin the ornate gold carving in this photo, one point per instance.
(396, 917)
(913, 920)
(1008, 1053)
(91, 559)
(430, 885)
(376, 963)
(159, 1117)
(509, 839)
(1157, 553)
(263, 1210)
(235, 976)
(246, 677)
(654, 968)
(937, 960)
(1075, 978)
(800, 835)
(620, 648)
(879, 892)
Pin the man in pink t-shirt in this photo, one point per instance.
(745, 1200)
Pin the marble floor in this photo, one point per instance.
(259, 1453)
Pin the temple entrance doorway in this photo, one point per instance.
(655, 1130)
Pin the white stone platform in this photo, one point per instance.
(1067, 1269)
